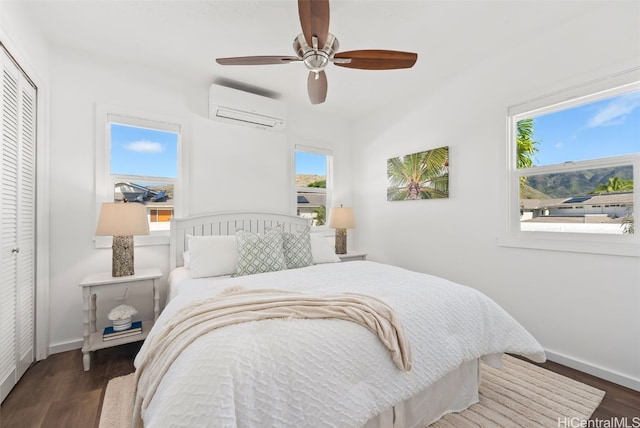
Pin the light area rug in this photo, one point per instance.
(517, 395)
(521, 394)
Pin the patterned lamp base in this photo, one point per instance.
(341, 241)
(122, 263)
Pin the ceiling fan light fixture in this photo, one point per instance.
(315, 60)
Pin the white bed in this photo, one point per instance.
(301, 372)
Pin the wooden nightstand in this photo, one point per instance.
(92, 284)
(350, 256)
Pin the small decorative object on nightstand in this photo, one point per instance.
(94, 339)
(341, 219)
(121, 315)
(352, 255)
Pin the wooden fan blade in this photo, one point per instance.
(375, 59)
(317, 87)
(257, 60)
(314, 19)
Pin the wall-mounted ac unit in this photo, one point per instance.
(247, 109)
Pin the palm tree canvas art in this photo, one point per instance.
(422, 175)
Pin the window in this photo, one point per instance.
(137, 160)
(573, 158)
(143, 161)
(313, 183)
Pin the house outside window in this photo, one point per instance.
(160, 215)
(313, 183)
(573, 159)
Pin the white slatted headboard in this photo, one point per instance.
(224, 224)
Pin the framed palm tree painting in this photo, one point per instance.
(422, 175)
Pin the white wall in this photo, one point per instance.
(582, 308)
(26, 45)
(230, 168)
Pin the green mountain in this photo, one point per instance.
(303, 180)
(575, 183)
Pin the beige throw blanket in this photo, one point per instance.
(236, 305)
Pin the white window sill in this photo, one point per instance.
(156, 238)
(573, 244)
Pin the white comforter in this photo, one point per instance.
(295, 373)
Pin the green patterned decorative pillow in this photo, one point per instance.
(297, 248)
(260, 253)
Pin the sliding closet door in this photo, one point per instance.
(17, 224)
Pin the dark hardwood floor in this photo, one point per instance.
(56, 392)
(618, 402)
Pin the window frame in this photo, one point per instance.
(594, 243)
(105, 181)
(329, 186)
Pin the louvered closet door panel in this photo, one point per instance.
(8, 227)
(17, 223)
(25, 281)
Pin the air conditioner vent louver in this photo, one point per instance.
(252, 119)
(243, 108)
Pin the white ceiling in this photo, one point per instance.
(184, 37)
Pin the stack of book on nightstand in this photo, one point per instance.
(110, 334)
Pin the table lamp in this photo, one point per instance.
(341, 219)
(122, 221)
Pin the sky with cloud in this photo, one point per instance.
(610, 127)
(141, 151)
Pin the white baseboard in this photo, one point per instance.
(600, 372)
(65, 346)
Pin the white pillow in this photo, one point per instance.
(322, 250)
(213, 255)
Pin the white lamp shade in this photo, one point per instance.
(342, 218)
(122, 219)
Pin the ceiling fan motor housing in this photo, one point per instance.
(316, 59)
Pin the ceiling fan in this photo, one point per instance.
(316, 48)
